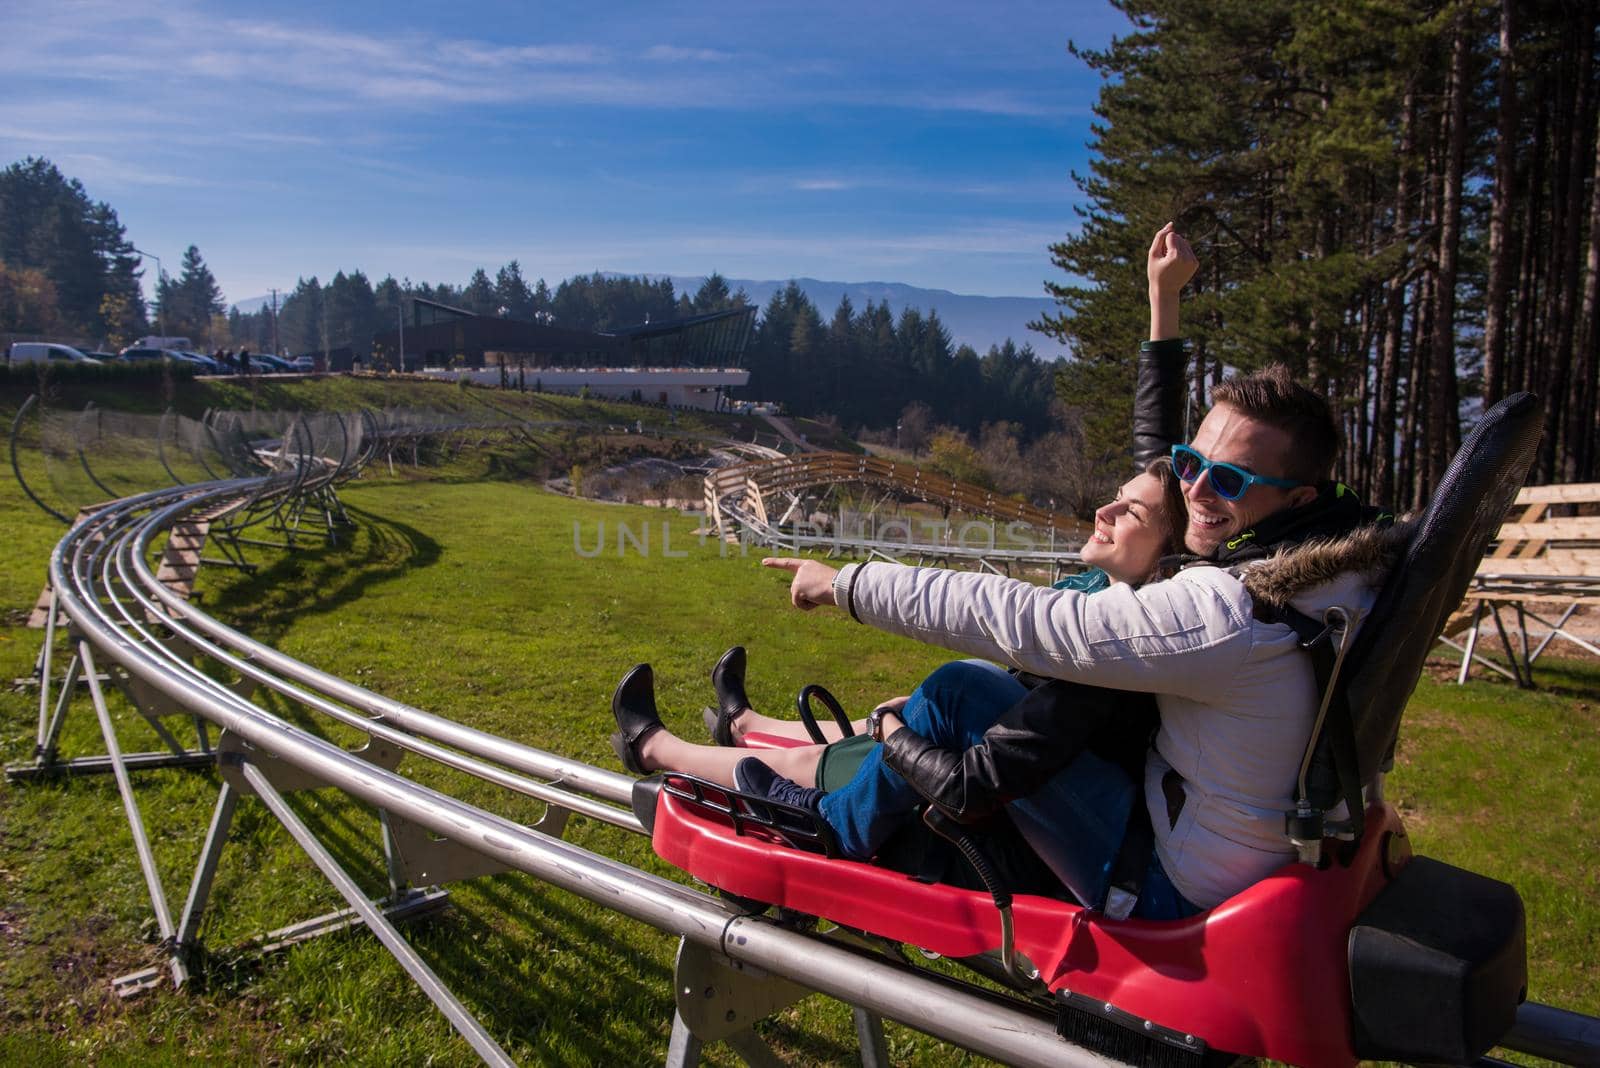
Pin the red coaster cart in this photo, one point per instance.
(1358, 951)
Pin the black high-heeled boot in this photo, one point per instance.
(727, 678)
(633, 704)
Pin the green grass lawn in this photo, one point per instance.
(467, 597)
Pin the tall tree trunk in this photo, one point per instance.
(1444, 426)
(1575, 443)
(1494, 329)
(1571, 166)
(1384, 489)
(1410, 488)
(1360, 439)
(1527, 346)
(1583, 426)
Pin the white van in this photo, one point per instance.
(45, 351)
(181, 344)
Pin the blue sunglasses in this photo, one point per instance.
(1229, 481)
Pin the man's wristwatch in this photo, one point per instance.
(875, 722)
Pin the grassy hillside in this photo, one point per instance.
(470, 598)
(349, 393)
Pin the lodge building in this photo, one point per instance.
(687, 362)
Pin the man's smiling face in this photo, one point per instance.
(1228, 435)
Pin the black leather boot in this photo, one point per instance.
(633, 704)
(727, 678)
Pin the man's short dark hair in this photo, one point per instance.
(1275, 398)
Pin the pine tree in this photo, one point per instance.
(48, 223)
(188, 302)
(351, 311)
(480, 297)
(511, 292)
(1363, 184)
(712, 296)
(300, 319)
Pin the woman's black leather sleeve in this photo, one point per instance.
(1158, 400)
(1026, 746)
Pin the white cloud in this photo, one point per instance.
(102, 170)
(676, 54)
(519, 55)
(976, 100)
(191, 58)
(763, 253)
(1019, 190)
(194, 60)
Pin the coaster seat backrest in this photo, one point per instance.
(1429, 581)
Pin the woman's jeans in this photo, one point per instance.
(1075, 822)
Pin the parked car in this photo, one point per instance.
(263, 364)
(304, 363)
(138, 353)
(274, 364)
(45, 352)
(206, 364)
(142, 353)
(100, 357)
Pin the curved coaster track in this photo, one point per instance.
(125, 624)
(755, 500)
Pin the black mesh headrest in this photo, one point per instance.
(1432, 575)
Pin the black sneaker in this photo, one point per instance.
(792, 811)
(751, 776)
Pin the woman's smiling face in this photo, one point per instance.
(1130, 533)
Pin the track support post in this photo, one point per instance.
(719, 999)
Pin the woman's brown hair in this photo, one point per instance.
(1174, 521)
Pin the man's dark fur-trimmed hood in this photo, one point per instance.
(1368, 550)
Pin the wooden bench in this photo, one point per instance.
(1540, 563)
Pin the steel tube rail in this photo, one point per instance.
(591, 780)
(80, 569)
(1555, 1034)
(131, 550)
(128, 552)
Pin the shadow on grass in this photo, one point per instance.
(323, 578)
(549, 974)
(538, 972)
(575, 955)
(1577, 679)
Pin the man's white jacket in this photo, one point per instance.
(1238, 698)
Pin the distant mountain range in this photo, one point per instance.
(976, 321)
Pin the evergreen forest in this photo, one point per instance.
(1396, 198)
(860, 367)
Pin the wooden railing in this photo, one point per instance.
(752, 483)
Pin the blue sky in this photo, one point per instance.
(927, 143)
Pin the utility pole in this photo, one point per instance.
(276, 351)
(400, 314)
(161, 305)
